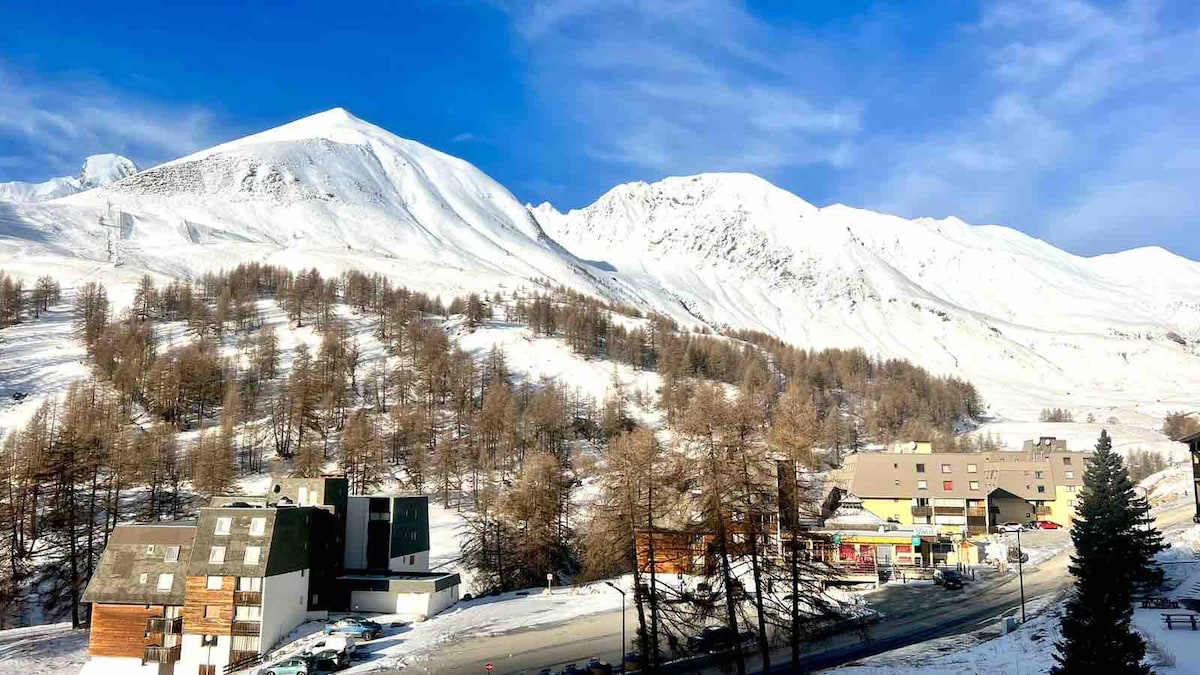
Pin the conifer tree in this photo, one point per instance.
(1114, 548)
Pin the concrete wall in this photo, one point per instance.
(405, 604)
(356, 534)
(285, 605)
(401, 564)
(192, 655)
(900, 509)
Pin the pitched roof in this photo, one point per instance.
(133, 561)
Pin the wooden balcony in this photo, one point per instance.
(161, 654)
(948, 510)
(247, 598)
(922, 511)
(247, 627)
(1042, 511)
(164, 626)
(976, 512)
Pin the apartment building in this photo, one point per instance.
(194, 597)
(963, 492)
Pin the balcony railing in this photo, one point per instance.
(161, 654)
(247, 598)
(165, 626)
(947, 510)
(922, 511)
(976, 512)
(1042, 510)
(246, 628)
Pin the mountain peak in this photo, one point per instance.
(100, 170)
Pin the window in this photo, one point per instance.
(1069, 475)
(214, 583)
(212, 611)
(1066, 461)
(920, 468)
(224, 525)
(247, 614)
(249, 583)
(314, 599)
(142, 579)
(258, 526)
(1070, 488)
(380, 515)
(172, 554)
(216, 554)
(897, 481)
(303, 496)
(922, 485)
(972, 468)
(252, 554)
(974, 485)
(947, 485)
(1041, 488)
(945, 468)
(150, 548)
(165, 581)
(1039, 474)
(412, 560)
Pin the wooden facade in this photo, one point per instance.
(120, 630)
(674, 552)
(198, 597)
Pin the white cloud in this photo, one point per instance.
(683, 86)
(53, 125)
(1084, 133)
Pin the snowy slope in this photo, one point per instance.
(97, 171)
(330, 191)
(1029, 323)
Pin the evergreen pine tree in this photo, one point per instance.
(1114, 547)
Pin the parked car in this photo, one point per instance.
(1045, 525)
(572, 669)
(296, 665)
(342, 643)
(597, 667)
(354, 626)
(330, 660)
(951, 580)
(1010, 527)
(717, 639)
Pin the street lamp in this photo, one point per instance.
(622, 592)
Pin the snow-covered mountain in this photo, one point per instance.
(1032, 325)
(1025, 320)
(97, 171)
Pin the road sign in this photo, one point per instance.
(489, 667)
(549, 576)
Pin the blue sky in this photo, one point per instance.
(1076, 121)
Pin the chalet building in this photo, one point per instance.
(192, 598)
(1193, 443)
(965, 493)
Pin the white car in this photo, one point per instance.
(1011, 527)
(342, 643)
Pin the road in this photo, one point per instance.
(913, 613)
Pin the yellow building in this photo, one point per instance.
(964, 492)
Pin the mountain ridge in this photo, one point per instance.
(730, 250)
